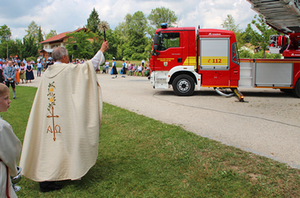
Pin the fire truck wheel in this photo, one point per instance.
(297, 89)
(183, 85)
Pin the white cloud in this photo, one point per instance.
(67, 15)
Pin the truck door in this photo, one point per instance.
(170, 51)
(214, 61)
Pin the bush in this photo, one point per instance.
(108, 57)
(273, 56)
(245, 54)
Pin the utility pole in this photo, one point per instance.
(7, 36)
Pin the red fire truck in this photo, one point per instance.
(186, 59)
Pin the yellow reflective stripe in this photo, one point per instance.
(207, 60)
(190, 60)
(214, 60)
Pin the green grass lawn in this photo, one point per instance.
(142, 157)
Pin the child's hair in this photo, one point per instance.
(3, 89)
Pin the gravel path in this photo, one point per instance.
(268, 124)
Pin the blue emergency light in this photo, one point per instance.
(164, 25)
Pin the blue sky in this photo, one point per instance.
(66, 15)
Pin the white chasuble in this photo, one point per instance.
(62, 134)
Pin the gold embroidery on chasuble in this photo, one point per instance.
(51, 97)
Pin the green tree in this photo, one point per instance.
(40, 38)
(33, 31)
(93, 21)
(84, 45)
(51, 34)
(261, 37)
(137, 38)
(29, 48)
(4, 30)
(114, 41)
(229, 24)
(122, 35)
(3, 48)
(162, 15)
(15, 47)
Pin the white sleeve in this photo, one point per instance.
(98, 59)
(10, 147)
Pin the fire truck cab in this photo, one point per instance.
(183, 59)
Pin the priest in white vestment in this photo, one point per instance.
(62, 134)
(10, 148)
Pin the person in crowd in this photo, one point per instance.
(126, 67)
(17, 67)
(62, 133)
(18, 61)
(44, 65)
(39, 69)
(10, 76)
(143, 62)
(22, 73)
(146, 71)
(32, 62)
(129, 68)
(123, 70)
(114, 71)
(139, 70)
(29, 72)
(134, 69)
(106, 67)
(4, 65)
(10, 148)
(48, 63)
(1, 73)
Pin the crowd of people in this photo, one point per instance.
(14, 71)
(18, 71)
(22, 71)
(130, 69)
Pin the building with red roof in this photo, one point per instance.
(56, 41)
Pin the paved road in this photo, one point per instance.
(267, 125)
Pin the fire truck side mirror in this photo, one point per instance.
(155, 43)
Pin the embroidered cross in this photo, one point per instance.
(54, 126)
(51, 97)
